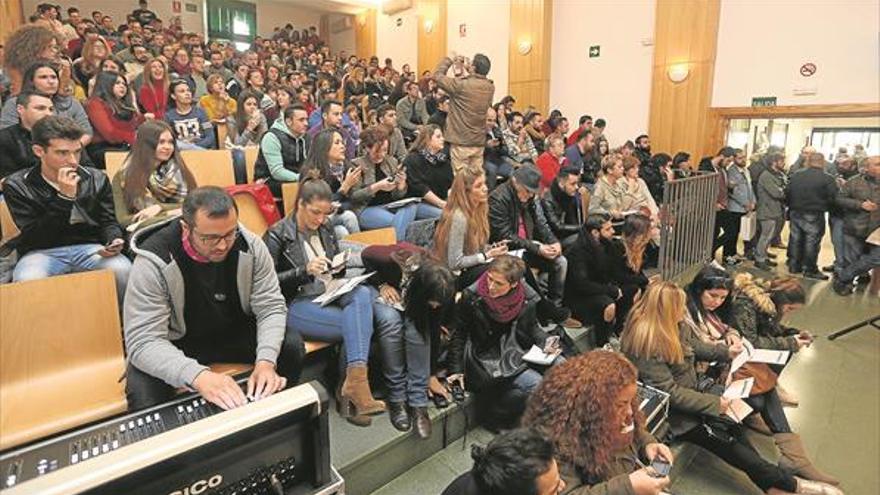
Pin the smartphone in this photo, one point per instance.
(661, 467)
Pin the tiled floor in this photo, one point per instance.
(838, 383)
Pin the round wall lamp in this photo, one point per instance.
(678, 72)
(524, 47)
(429, 26)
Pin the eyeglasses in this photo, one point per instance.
(213, 239)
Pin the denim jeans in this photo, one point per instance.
(769, 407)
(377, 217)
(556, 269)
(186, 145)
(835, 223)
(426, 211)
(767, 230)
(860, 258)
(804, 240)
(72, 259)
(348, 319)
(239, 166)
(406, 356)
(503, 403)
(344, 223)
(493, 170)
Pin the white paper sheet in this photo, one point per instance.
(537, 356)
(341, 289)
(400, 202)
(739, 389)
(769, 356)
(738, 410)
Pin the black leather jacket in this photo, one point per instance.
(563, 212)
(16, 151)
(286, 247)
(504, 212)
(46, 219)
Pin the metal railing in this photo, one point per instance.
(687, 224)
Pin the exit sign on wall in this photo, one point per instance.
(764, 101)
(594, 51)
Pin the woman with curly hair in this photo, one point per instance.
(665, 353)
(709, 306)
(463, 230)
(587, 407)
(25, 45)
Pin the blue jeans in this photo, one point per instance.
(769, 407)
(503, 403)
(860, 258)
(426, 211)
(493, 170)
(804, 240)
(835, 223)
(406, 356)
(186, 145)
(344, 223)
(72, 259)
(377, 217)
(348, 319)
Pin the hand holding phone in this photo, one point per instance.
(660, 468)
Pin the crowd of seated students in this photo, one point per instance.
(513, 251)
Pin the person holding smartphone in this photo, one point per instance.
(64, 211)
(382, 181)
(588, 408)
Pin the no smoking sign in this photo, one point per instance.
(808, 69)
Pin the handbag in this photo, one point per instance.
(765, 378)
(748, 224)
(262, 195)
(484, 370)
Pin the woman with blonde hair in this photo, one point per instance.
(463, 230)
(153, 95)
(608, 195)
(665, 353)
(94, 51)
(218, 105)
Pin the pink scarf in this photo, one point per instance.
(505, 308)
(191, 251)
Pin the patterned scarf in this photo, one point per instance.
(433, 158)
(166, 183)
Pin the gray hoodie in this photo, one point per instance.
(153, 310)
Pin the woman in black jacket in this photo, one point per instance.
(302, 246)
(627, 261)
(590, 290)
(429, 172)
(495, 324)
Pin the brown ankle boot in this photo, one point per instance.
(355, 395)
(794, 459)
(347, 410)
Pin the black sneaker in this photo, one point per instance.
(768, 266)
(817, 275)
(828, 269)
(731, 261)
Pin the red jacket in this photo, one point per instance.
(109, 128)
(549, 166)
(153, 100)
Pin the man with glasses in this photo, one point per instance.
(205, 291)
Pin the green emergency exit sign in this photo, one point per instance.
(764, 101)
(594, 51)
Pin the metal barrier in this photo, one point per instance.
(687, 225)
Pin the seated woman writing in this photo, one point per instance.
(665, 354)
(302, 246)
(495, 324)
(154, 179)
(463, 230)
(587, 407)
(708, 308)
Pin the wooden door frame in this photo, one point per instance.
(719, 117)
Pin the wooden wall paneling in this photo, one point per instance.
(365, 34)
(11, 17)
(431, 45)
(686, 33)
(529, 75)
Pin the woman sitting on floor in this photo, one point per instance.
(708, 305)
(587, 406)
(302, 246)
(463, 230)
(496, 323)
(665, 353)
(416, 297)
(154, 179)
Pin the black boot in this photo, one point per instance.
(422, 421)
(399, 416)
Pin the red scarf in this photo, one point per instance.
(502, 309)
(191, 251)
